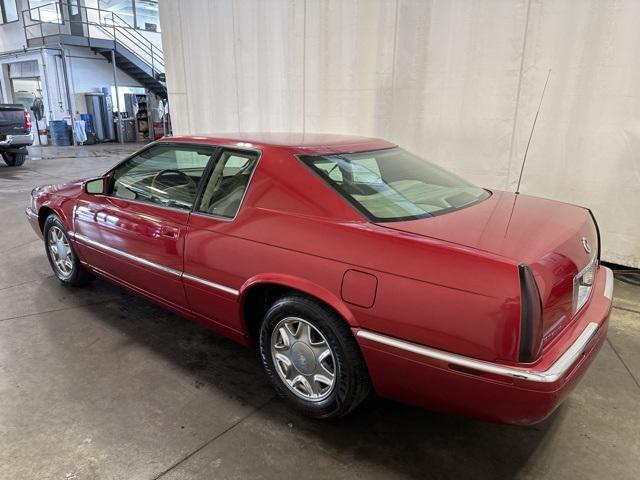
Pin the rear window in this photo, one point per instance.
(393, 184)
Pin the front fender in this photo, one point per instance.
(62, 207)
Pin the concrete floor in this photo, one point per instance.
(97, 384)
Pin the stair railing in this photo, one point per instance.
(53, 18)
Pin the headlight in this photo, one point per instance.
(583, 282)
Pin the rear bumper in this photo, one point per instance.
(452, 383)
(16, 140)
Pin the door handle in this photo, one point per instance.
(169, 232)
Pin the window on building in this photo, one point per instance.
(147, 17)
(8, 11)
(122, 11)
(140, 14)
(45, 11)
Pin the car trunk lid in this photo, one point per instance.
(549, 236)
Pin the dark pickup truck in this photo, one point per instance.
(15, 134)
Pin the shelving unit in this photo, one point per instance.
(142, 117)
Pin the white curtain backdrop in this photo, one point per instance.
(457, 82)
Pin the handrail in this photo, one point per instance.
(158, 59)
(118, 30)
(136, 41)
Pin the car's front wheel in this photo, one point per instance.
(312, 359)
(62, 258)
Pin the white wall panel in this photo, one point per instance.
(456, 81)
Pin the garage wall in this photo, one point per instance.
(455, 81)
(12, 33)
(89, 72)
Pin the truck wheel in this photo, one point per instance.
(14, 159)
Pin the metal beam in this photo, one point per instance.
(115, 83)
(65, 73)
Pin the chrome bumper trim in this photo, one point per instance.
(553, 374)
(17, 140)
(147, 263)
(608, 286)
(30, 213)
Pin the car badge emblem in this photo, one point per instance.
(585, 245)
(302, 360)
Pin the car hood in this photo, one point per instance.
(71, 189)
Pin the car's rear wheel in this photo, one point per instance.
(14, 159)
(62, 258)
(311, 358)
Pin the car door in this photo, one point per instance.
(136, 232)
(213, 251)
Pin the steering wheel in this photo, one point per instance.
(189, 181)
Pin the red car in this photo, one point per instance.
(351, 264)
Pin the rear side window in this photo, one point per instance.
(227, 184)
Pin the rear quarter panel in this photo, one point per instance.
(427, 292)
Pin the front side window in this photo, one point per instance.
(166, 175)
(225, 187)
(8, 11)
(389, 185)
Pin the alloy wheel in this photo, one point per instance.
(60, 251)
(303, 359)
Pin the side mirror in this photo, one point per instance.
(95, 186)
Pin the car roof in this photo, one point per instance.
(298, 142)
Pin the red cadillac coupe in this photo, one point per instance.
(352, 264)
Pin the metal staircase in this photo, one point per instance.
(105, 32)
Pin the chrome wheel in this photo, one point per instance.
(303, 359)
(60, 251)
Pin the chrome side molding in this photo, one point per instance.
(128, 256)
(553, 374)
(211, 284)
(150, 264)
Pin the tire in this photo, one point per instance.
(14, 159)
(321, 329)
(68, 269)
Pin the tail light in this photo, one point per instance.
(583, 282)
(530, 316)
(27, 120)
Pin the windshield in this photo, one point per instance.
(390, 185)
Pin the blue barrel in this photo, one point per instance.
(60, 133)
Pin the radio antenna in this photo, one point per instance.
(524, 160)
